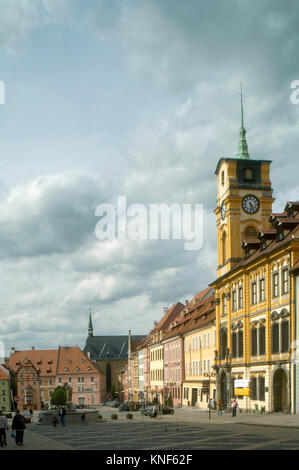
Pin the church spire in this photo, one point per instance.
(90, 327)
(243, 147)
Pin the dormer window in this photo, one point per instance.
(68, 361)
(65, 369)
(82, 361)
(77, 369)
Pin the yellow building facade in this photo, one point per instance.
(254, 291)
(199, 385)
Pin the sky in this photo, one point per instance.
(139, 99)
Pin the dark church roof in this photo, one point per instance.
(109, 347)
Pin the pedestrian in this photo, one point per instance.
(3, 429)
(18, 425)
(234, 407)
(62, 414)
(83, 418)
(31, 411)
(219, 408)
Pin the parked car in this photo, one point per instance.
(124, 407)
(167, 410)
(148, 410)
(115, 403)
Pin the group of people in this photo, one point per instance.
(234, 407)
(18, 426)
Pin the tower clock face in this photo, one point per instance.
(223, 211)
(250, 204)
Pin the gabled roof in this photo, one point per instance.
(199, 312)
(4, 372)
(44, 360)
(71, 360)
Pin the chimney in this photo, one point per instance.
(165, 310)
(88, 355)
(155, 324)
(186, 303)
(13, 350)
(32, 347)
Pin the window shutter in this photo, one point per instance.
(253, 341)
(284, 336)
(240, 343)
(275, 337)
(253, 388)
(262, 335)
(234, 344)
(261, 388)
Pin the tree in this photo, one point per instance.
(59, 396)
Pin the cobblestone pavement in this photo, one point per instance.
(188, 429)
(170, 433)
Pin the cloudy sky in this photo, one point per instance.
(137, 98)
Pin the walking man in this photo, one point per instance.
(3, 429)
(62, 414)
(219, 408)
(18, 425)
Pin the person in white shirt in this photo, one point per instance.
(3, 429)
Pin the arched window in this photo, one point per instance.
(250, 232)
(224, 247)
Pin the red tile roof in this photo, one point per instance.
(74, 360)
(44, 360)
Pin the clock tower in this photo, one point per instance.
(244, 202)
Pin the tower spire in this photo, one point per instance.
(243, 147)
(90, 327)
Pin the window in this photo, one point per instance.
(261, 384)
(223, 342)
(253, 389)
(224, 248)
(248, 174)
(284, 336)
(240, 343)
(262, 290)
(275, 285)
(234, 344)
(92, 379)
(253, 293)
(275, 337)
(234, 300)
(222, 177)
(240, 297)
(60, 380)
(262, 338)
(250, 233)
(285, 281)
(224, 305)
(208, 340)
(253, 341)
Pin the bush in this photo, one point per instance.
(129, 416)
(100, 416)
(59, 396)
(114, 416)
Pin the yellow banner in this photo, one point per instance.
(242, 391)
